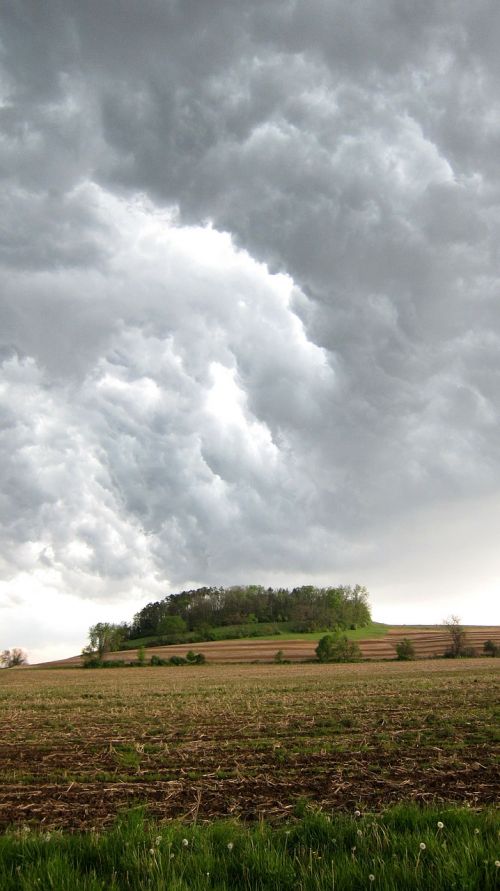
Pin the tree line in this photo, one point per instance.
(305, 608)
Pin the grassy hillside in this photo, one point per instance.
(252, 630)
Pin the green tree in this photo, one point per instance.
(172, 626)
(11, 658)
(405, 650)
(104, 637)
(337, 648)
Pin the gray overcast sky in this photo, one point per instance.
(249, 317)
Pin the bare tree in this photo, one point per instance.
(11, 658)
(457, 636)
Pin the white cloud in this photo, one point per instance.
(176, 411)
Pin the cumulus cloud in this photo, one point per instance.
(249, 275)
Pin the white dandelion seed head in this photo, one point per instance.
(476, 831)
(158, 840)
(440, 825)
(371, 877)
(357, 813)
(185, 842)
(151, 850)
(497, 863)
(359, 833)
(422, 846)
(230, 846)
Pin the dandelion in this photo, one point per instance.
(185, 842)
(476, 831)
(172, 856)
(440, 825)
(152, 851)
(357, 813)
(371, 877)
(158, 840)
(230, 846)
(497, 864)
(359, 833)
(422, 846)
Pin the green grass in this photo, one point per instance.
(375, 629)
(313, 851)
(261, 630)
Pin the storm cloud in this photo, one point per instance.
(250, 316)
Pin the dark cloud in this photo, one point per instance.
(203, 415)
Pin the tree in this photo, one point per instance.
(337, 648)
(104, 638)
(171, 626)
(11, 658)
(405, 650)
(457, 636)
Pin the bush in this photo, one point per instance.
(337, 648)
(177, 660)
(92, 662)
(195, 658)
(490, 648)
(405, 650)
(156, 660)
(469, 652)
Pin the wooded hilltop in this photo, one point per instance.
(305, 608)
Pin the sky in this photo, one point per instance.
(249, 306)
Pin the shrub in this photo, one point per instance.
(337, 648)
(490, 648)
(177, 660)
(157, 660)
(195, 658)
(405, 650)
(468, 652)
(92, 661)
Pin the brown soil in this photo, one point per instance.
(247, 740)
(427, 643)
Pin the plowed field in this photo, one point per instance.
(205, 741)
(428, 642)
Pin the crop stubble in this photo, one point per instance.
(76, 746)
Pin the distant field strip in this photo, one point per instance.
(76, 746)
(428, 642)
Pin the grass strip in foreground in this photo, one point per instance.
(403, 848)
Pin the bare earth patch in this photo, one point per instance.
(76, 746)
